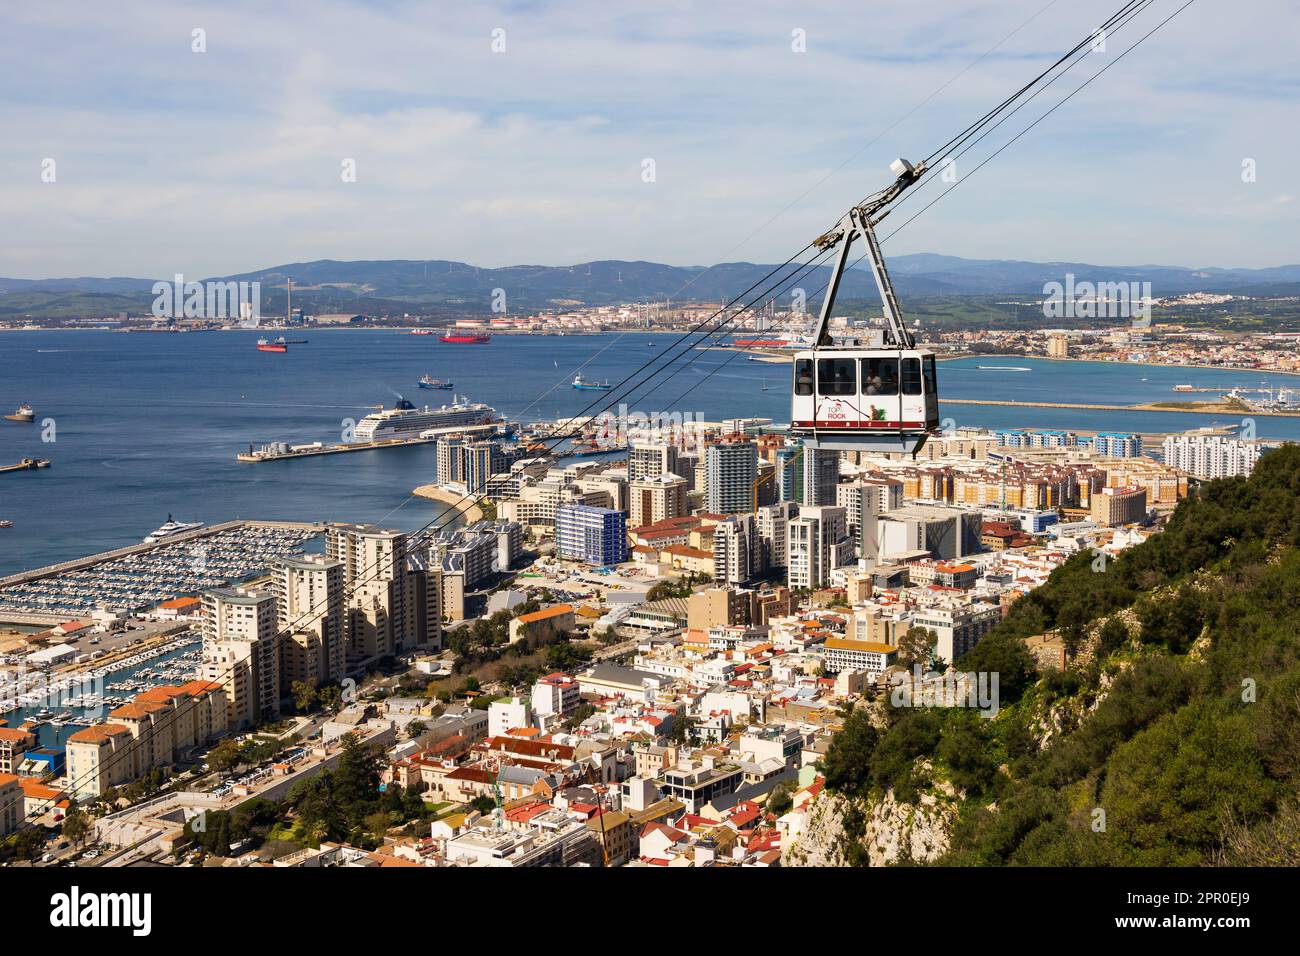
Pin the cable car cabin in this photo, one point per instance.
(854, 399)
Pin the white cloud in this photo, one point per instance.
(230, 160)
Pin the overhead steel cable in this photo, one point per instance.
(416, 536)
(989, 129)
(1080, 88)
(414, 540)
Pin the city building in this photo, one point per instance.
(652, 500)
(241, 652)
(772, 523)
(1116, 506)
(821, 476)
(449, 459)
(1212, 456)
(731, 469)
(479, 461)
(11, 804)
(737, 550)
(394, 600)
(555, 695)
(846, 654)
(650, 460)
(944, 532)
(309, 609)
(958, 625)
(14, 744)
(543, 624)
(1117, 444)
(596, 536)
(818, 543)
(157, 728)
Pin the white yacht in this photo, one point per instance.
(172, 527)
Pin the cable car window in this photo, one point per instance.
(837, 376)
(803, 377)
(880, 375)
(928, 371)
(911, 376)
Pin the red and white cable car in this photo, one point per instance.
(874, 394)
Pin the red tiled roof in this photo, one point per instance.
(99, 734)
(545, 613)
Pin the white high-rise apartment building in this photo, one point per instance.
(391, 604)
(310, 618)
(819, 542)
(737, 550)
(772, 522)
(650, 460)
(1212, 456)
(241, 652)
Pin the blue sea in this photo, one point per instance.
(148, 424)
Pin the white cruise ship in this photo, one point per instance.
(404, 420)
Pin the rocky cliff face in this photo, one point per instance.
(845, 831)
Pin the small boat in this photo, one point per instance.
(1003, 368)
(580, 382)
(272, 345)
(6, 523)
(427, 382)
(420, 332)
(27, 464)
(24, 415)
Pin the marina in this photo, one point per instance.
(55, 706)
(139, 577)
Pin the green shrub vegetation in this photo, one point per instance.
(1177, 740)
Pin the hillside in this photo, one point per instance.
(440, 286)
(1171, 740)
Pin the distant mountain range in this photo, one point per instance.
(441, 286)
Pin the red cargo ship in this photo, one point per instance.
(471, 338)
(267, 345)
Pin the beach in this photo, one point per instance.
(451, 499)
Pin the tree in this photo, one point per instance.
(224, 756)
(781, 799)
(414, 729)
(76, 825)
(356, 781)
(378, 823)
(331, 697)
(847, 764)
(27, 844)
(917, 647)
(305, 698)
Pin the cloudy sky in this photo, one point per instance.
(168, 160)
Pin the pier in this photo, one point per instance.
(278, 451)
